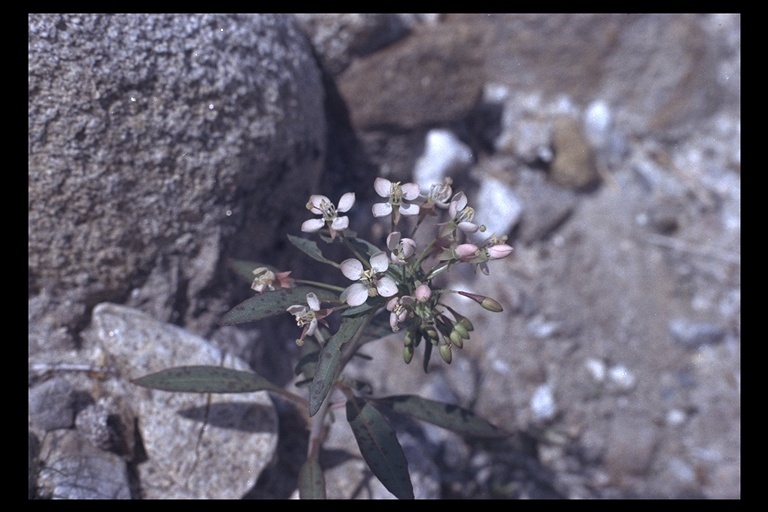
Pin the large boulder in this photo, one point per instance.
(158, 143)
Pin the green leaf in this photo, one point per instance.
(205, 379)
(377, 329)
(427, 355)
(362, 245)
(443, 415)
(311, 249)
(328, 362)
(268, 304)
(310, 353)
(311, 480)
(379, 447)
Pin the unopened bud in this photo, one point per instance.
(498, 251)
(408, 354)
(445, 353)
(457, 327)
(423, 293)
(465, 252)
(466, 324)
(456, 339)
(487, 302)
(491, 305)
(431, 334)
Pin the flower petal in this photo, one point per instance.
(468, 227)
(381, 209)
(340, 223)
(352, 269)
(383, 187)
(409, 209)
(297, 310)
(346, 202)
(380, 262)
(409, 247)
(312, 225)
(410, 191)
(312, 327)
(313, 301)
(393, 240)
(458, 203)
(357, 294)
(316, 200)
(386, 286)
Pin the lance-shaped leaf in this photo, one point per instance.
(206, 379)
(328, 363)
(427, 355)
(379, 447)
(310, 248)
(452, 417)
(311, 480)
(265, 305)
(362, 245)
(310, 352)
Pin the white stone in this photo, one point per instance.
(443, 153)
(543, 404)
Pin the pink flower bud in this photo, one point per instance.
(423, 293)
(498, 251)
(465, 251)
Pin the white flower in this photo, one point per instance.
(308, 317)
(395, 193)
(402, 248)
(440, 193)
(461, 216)
(399, 307)
(370, 282)
(321, 205)
(266, 279)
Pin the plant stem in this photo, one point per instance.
(318, 284)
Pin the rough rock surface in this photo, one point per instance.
(158, 143)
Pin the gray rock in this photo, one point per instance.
(692, 334)
(433, 76)
(630, 446)
(659, 70)
(109, 425)
(51, 405)
(74, 469)
(33, 463)
(545, 206)
(159, 137)
(339, 38)
(197, 446)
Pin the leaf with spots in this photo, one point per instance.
(379, 447)
(328, 364)
(269, 304)
(311, 480)
(206, 379)
(452, 417)
(311, 249)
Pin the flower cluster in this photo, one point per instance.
(401, 279)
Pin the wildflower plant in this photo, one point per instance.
(394, 290)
